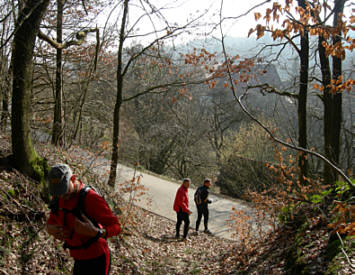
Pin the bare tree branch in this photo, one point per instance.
(344, 252)
(169, 33)
(173, 84)
(17, 24)
(271, 135)
(77, 41)
(84, 7)
(5, 17)
(272, 90)
(247, 12)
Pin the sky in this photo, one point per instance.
(231, 8)
(239, 14)
(181, 11)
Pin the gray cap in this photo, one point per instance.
(59, 178)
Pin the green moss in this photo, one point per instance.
(40, 168)
(195, 271)
(40, 172)
(295, 262)
(334, 253)
(286, 214)
(333, 268)
(333, 248)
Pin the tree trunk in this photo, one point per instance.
(24, 156)
(5, 75)
(302, 101)
(326, 77)
(5, 113)
(57, 122)
(332, 102)
(337, 98)
(116, 114)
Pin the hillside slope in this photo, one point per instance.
(147, 246)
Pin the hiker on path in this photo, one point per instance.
(202, 201)
(181, 207)
(82, 219)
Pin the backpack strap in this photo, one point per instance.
(197, 196)
(77, 211)
(81, 202)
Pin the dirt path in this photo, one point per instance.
(160, 196)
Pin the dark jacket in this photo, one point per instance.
(204, 195)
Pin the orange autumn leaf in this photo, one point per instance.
(260, 30)
(316, 86)
(257, 16)
(213, 84)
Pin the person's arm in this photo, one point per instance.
(184, 202)
(204, 195)
(98, 209)
(55, 228)
(56, 231)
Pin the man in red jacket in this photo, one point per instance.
(84, 231)
(181, 207)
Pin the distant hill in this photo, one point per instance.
(287, 63)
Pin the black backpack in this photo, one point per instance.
(197, 196)
(77, 211)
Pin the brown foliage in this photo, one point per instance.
(308, 19)
(345, 218)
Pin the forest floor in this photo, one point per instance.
(147, 245)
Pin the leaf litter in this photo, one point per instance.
(147, 245)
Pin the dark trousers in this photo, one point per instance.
(202, 210)
(97, 266)
(182, 216)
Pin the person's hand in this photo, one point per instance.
(189, 212)
(58, 231)
(85, 227)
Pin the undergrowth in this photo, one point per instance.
(298, 239)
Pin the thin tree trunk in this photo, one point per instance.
(302, 100)
(332, 102)
(116, 114)
(337, 98)
(57, 122)
(24, 156)
(326, 77)
(5, 74)
(5, 112)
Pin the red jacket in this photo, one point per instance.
(181, 200)
(96, 208)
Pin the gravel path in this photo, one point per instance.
(160, 194)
